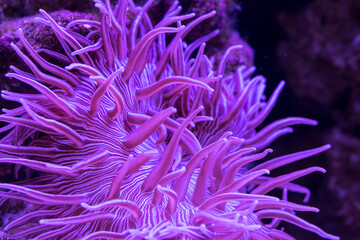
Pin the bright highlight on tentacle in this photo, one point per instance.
(61, 103)
(294, 220)
(172, 202)
(147, 128)
(158, 86)
(49, 199)
(42, 76)
(147, 39)
(166, 160)
(134, 210)
(78, 219)
(96, 98)
(273, 183)
(55, 126)
(225, 197)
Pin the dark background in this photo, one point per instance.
(313, 45)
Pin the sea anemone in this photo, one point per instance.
(142, 136)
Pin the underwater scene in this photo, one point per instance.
(189, 119)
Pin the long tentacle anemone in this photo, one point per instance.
(142, 136)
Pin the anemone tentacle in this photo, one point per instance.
(143, 136)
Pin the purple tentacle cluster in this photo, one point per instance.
(142, 136)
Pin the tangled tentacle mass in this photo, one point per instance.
(142, 136)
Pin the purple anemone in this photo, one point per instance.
(142, 136)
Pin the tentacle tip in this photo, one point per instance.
(6, 228)
(269, 150)
(313, 123)
(228, 133)
(84, 205)
(282, 83)
(13, 45)
(327, 146)
(306, 198)
(8, 75)
(42, 221)
(42, 11)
